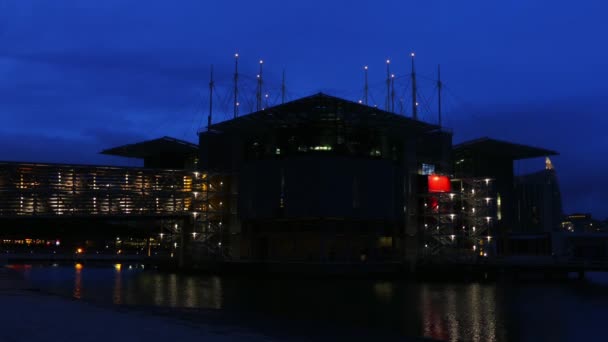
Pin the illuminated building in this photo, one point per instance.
(323, 179)
(487, 164)
(318, 179)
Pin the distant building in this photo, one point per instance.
(538, 201)
(582, 223)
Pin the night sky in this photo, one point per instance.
(80, 76)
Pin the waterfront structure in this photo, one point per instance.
(490, 161)
(324, 179)
(64, 205)
(318, 179)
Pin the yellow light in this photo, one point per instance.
(78, 266)
(118, 267)
(79, 250)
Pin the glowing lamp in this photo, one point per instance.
(438, 183)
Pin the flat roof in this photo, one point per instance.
(154, 147)
(319, 108)
(505, 149)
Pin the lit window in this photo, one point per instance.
(428, 169)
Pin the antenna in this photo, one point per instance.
(439, 86)
(388, 84)
(414, 91)
(211, 84)
(366, 87)
(258, 95)
(283, 88)
(236, 85)
(393, 93)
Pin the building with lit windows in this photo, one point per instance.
(319, 179)
(324, 179)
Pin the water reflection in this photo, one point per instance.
(442, 311)
(78, 281)
(452, 311)
(117, 291)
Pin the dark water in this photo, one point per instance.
(459, 311)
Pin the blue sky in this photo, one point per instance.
(77, 76)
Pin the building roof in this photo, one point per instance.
(155, 147)
(321, 108)
(505, 149)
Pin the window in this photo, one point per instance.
(427, 169)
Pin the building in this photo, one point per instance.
(490, 160)
(103, 208)
(323, 179)
(318, 179)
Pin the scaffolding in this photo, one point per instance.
(460, 221)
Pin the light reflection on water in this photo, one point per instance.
(445, 311)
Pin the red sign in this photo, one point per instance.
(439, 184)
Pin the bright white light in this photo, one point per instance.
(365, 67)
(452, 237)
(392, 75)
(261, 61)
(236, 55)
(412, 54)
(388, 61)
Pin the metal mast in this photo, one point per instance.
(388, 84)
(393, 93)
(365, 87)
(236, 85)
(211, 84)
(283, 88)
(414, 91)
(258, 95)
(439, 86)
